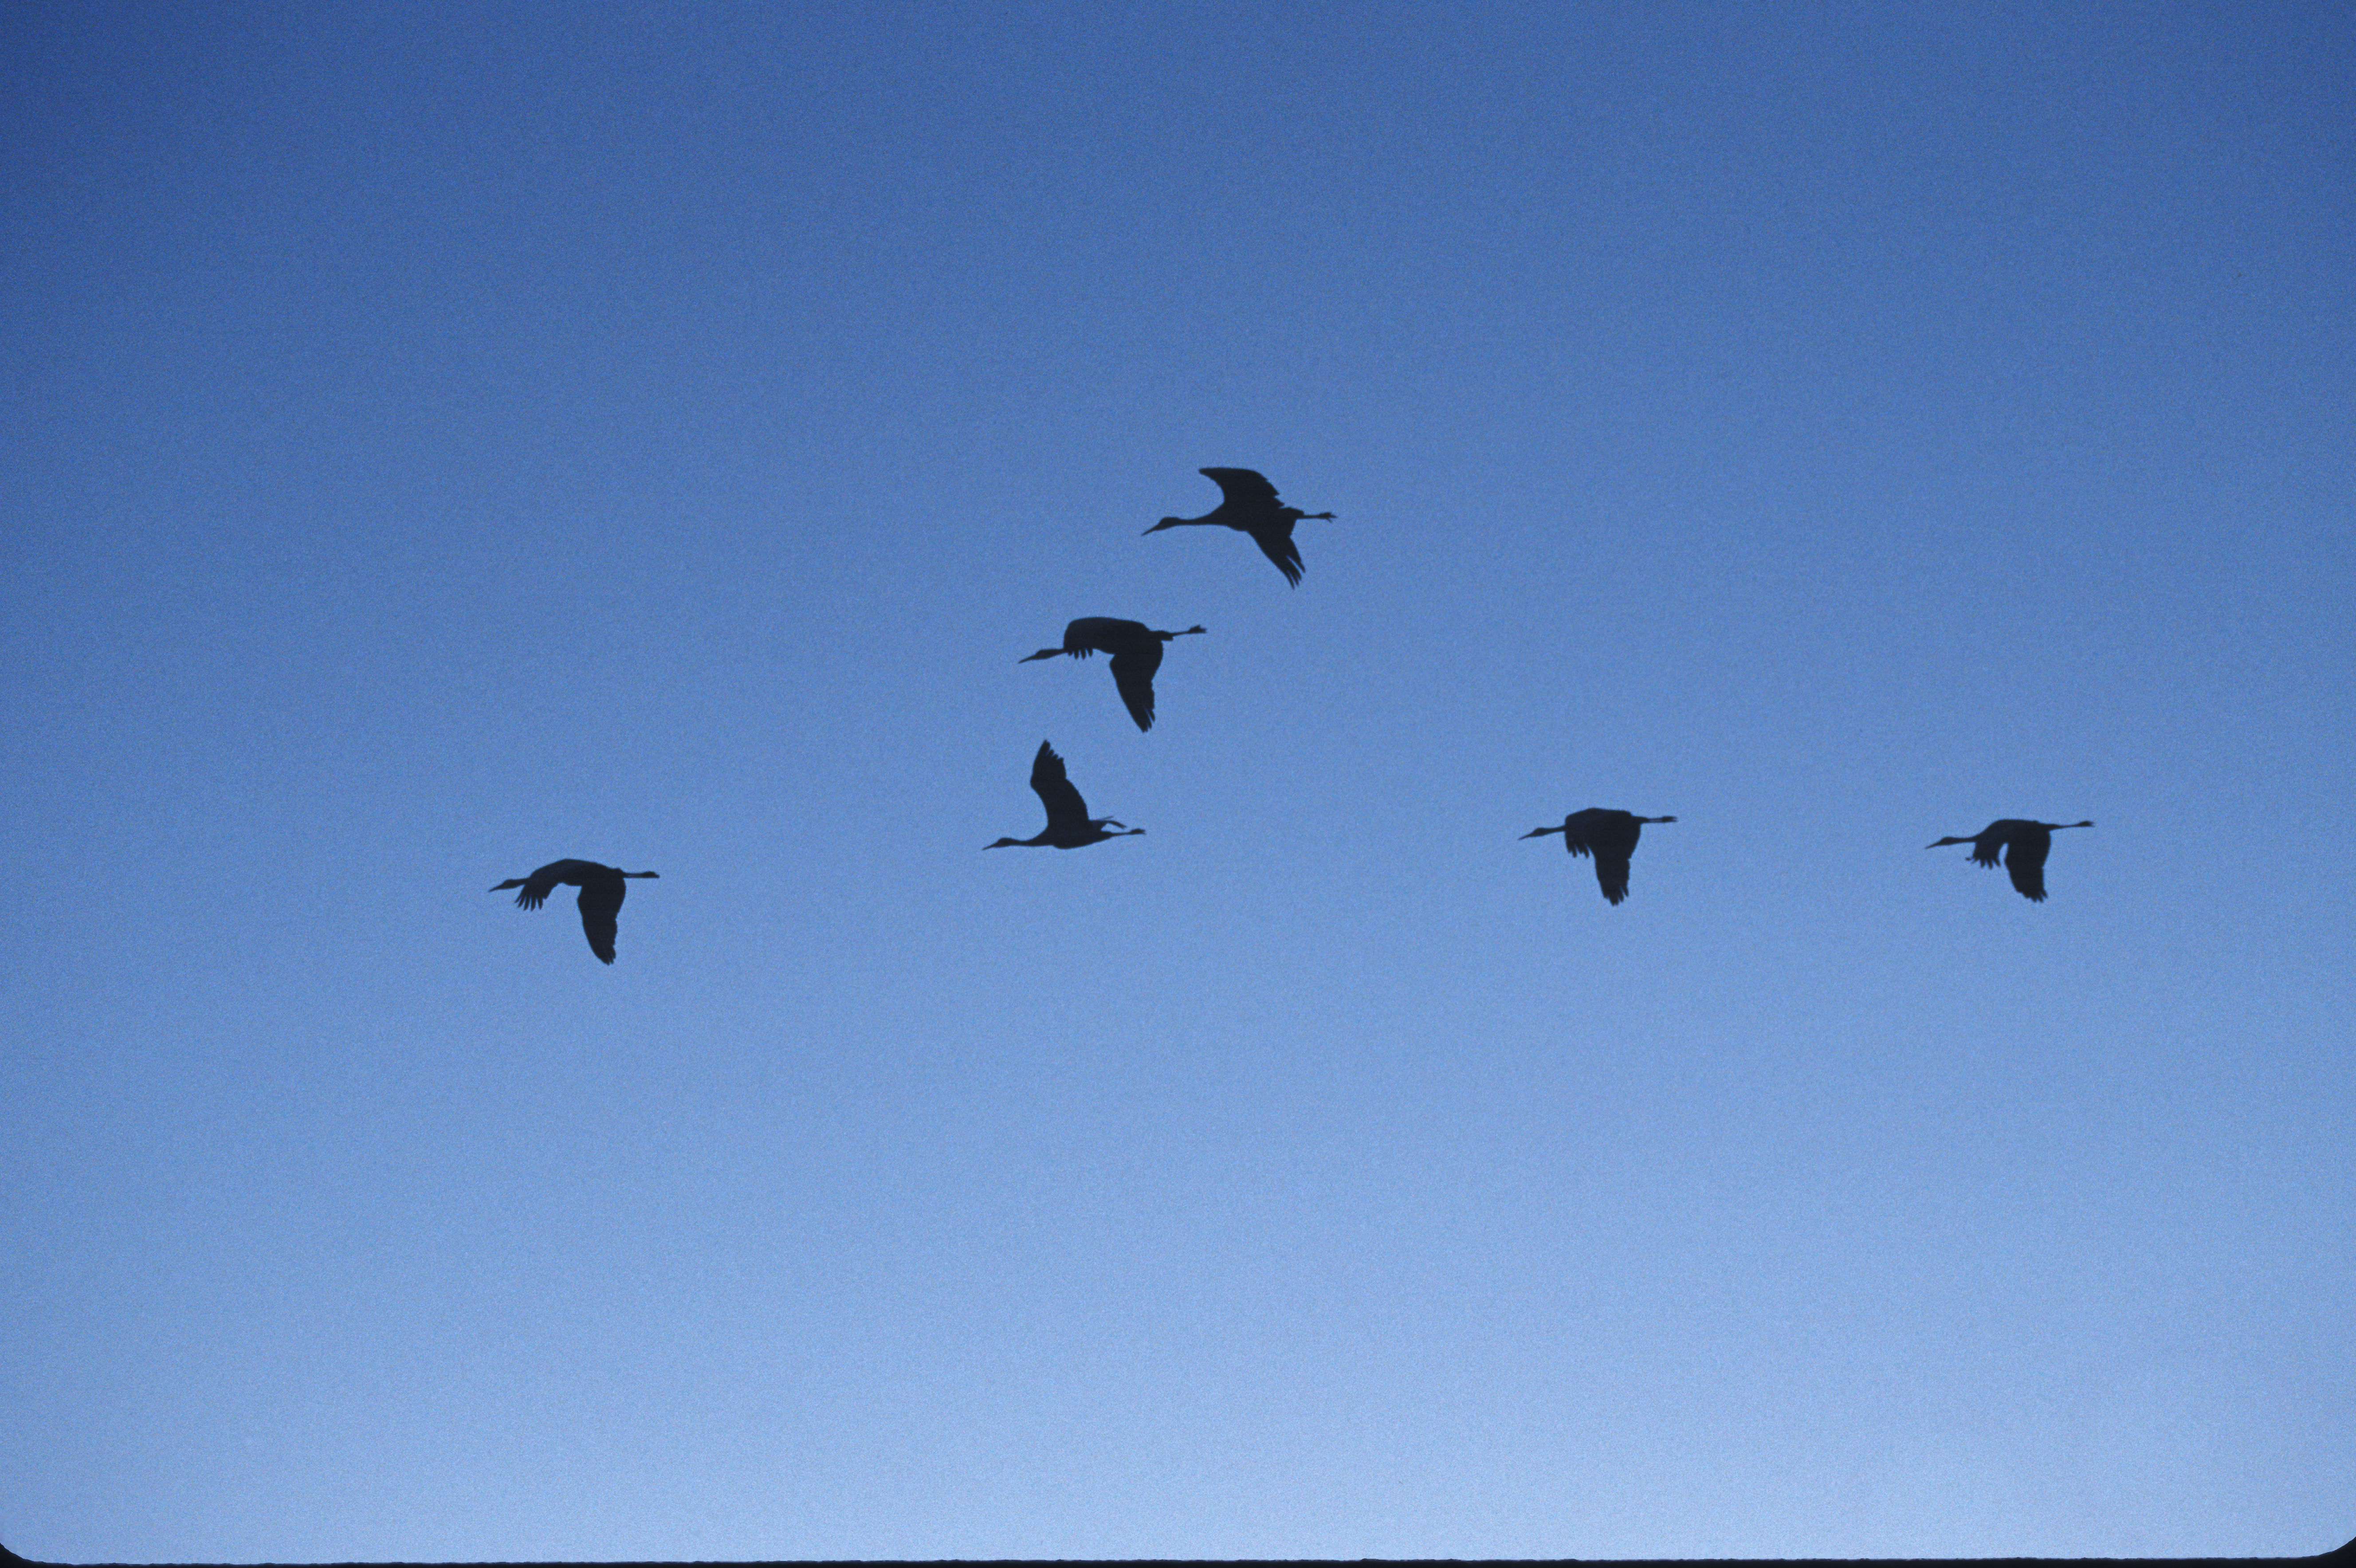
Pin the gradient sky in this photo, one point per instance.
(444, 438)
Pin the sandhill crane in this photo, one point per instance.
(1609, 836)
(602, 892)
(1250, 507)
(2024, 846)
(1069, 826)
(1136, 651)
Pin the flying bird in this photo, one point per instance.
(1250, 507)
(1136, 651)
(1609, 836)
(2024, 845)
(602, 892)
(1069, 826)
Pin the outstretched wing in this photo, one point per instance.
(1577, 829)
(1612, 875)
(1275, 541)
(1064, 807)
(1989, 847)
(2026, 864)
(1089, 633)
(600, 901)
(1610, 837)
(1132, 671)
(544, 882)
(1244, 487)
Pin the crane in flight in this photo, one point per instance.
(1609, 836)
(2024, 845)
(1136, 651)
(1069, 826)
(602, 892)
(1249, 505)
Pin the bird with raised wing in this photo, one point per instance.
(1609, 836)
(1069, 826)
(1136, 651)
(602, 892)
(2024, 845)
(1251, 506)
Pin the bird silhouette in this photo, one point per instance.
(602, 892)
(1136, 651)
(2024, 844)
(1069, 826)
(1250, 507)
(1609, 836)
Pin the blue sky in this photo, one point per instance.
(447, 438)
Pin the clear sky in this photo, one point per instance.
(444, 438)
